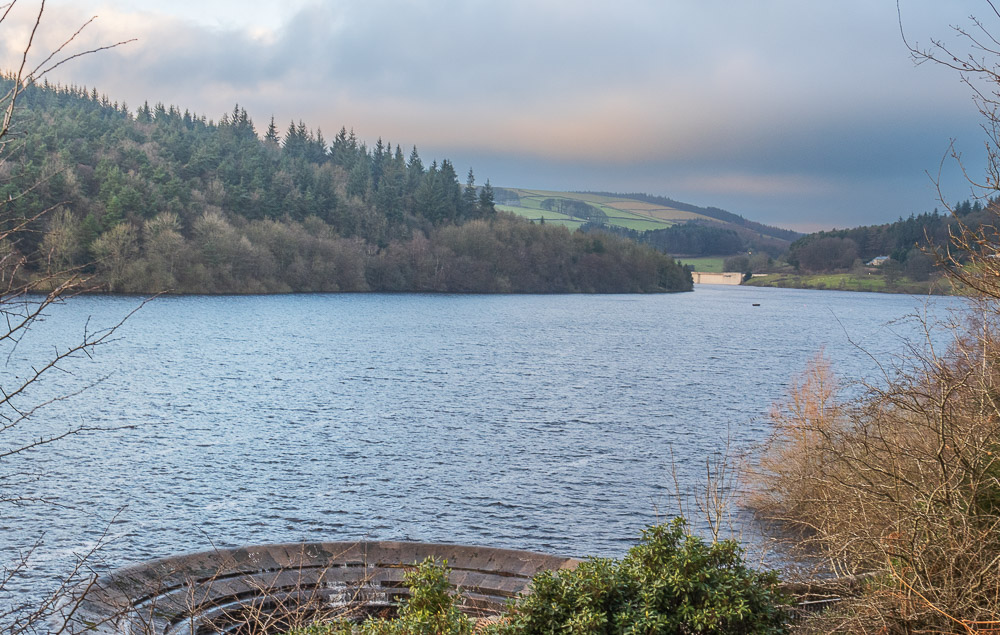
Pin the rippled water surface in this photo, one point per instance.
(532, 422)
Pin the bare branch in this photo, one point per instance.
(25, 296)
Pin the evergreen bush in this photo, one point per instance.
(672, 582)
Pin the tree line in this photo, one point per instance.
(164, 200)
(906, 241)
(697, 238)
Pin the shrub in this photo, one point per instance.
(902, 485)
(672, 582)
(430, 610)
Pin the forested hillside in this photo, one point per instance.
(163, 200)
(905, 241)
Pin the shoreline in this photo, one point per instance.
(850, 282)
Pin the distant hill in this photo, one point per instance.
(713, 212)
(679, 229)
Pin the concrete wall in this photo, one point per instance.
(727, 277)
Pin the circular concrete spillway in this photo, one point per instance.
(264, 588)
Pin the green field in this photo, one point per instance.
(553, 218)
(620, 212)
(711, 264)
(848, 282)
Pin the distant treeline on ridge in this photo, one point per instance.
(164, 200)
(905, 241)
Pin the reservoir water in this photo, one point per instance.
(531, 422)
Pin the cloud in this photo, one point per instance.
(774, 98)
(750, 184)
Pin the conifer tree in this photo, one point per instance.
(414, 171)
(451, 191)
(379, 157)
(487, 206)
(341, 152)
(145, 114)
(359, 180)
(317, 147)
(469, 206)
(294, 143)
(271, 136)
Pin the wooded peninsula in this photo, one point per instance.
(160, 200)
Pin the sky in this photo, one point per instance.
(797, 113)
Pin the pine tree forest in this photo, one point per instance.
(159, 200)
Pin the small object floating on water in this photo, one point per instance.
(756, 304)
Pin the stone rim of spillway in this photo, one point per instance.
(215, 591)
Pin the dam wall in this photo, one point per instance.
(726, 277)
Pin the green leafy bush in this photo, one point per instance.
(430, 610)
(672, 582)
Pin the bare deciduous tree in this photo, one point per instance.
(24, 299)
(903, 484)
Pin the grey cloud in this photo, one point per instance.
(642, 94)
